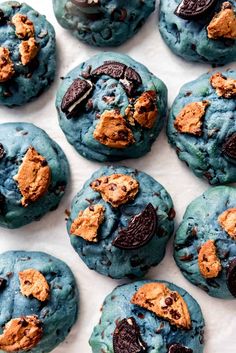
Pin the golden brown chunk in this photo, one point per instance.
(144, 110)
(6, 65)
(227, 221)
(33, 177)
(208, 261)
(24, 27)
(21, 333)
(225, 87)
(189, 120)
(87, 223)
(169, 305)
(223, 24)
(33, 282)
(28, 50)
(117, 189)
(112, 130)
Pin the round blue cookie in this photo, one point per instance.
(33, 174)
(27, 53)
(202, 126)
(202, 31)
(120, 222)
(38, 302)
(111, 108)
(102, 22)
(130, 323)
(205, 242)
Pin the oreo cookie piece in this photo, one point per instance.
(192, 9)
(229, 147)
(179, 348)
(111, 108)
(231, 277)
(115, 217)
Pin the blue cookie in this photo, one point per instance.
(102, 22)
(33, 174)
(201, 30)
(205, 243)
(27, 53)
(111, 108)
(120, 222)
(202, 126)
(38, 302)
(130, 323)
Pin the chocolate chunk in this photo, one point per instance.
(75, 96)
(3, 283)
(127, 338)
(110, 68)
(178, 348)
(231, 277)
(194, 9)
(141, 228)
(229, 147)
(2, 151)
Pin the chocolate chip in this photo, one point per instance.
(178, 348)
(169, 301)
(127, 338)
(229, 147)
(171, 214)
(191, 10)
(2, 151)
(141, 228)
(3, 283)
(231, 277)
(75, 96)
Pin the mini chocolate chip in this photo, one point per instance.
(229, 147)
(3, 283)
(44, 163)
(179, 348)
(141, 228)
(231, 277)
(171, 214)
(186, 258)
(127, 338)
(2, 151)
(191, 10)
(169, 301)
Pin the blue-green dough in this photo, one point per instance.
(15, 139)
(204, 154)
(31, 80)
(104, 257)
(79, 129)
(117, 306)
(109, 24)
(199, 225)
(57, 314)
(189, 39)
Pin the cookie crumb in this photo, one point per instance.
(6, 65)
(223, 24)
(208, 261)
(189, 120)
(227, 220)
(87, 224)
(28, 50)
(24, 27)
(225, 87)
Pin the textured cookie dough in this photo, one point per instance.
(205, 138)
(103, 22)
(137, 221)
(205, 242)
(111, 108)
(208, 38)
(124, 324)
(36, 324)
(27, 53)
(33, 174)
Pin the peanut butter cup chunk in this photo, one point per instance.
(117, 189)
(6, 65)
(190, 118)
(21, 334)
(167, 304)
(223, 24)
(112, 130)
(33, 177)
(208, 261)
(24, 27)
(33, 283)
(227, 220)
(28, 50)
(225, 87)
(87, 224)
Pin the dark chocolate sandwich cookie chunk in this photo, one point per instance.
(119, 222)
(191, 9)
(111, 108)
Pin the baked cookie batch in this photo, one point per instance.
(111, 108)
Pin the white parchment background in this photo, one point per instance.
(50, 234)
